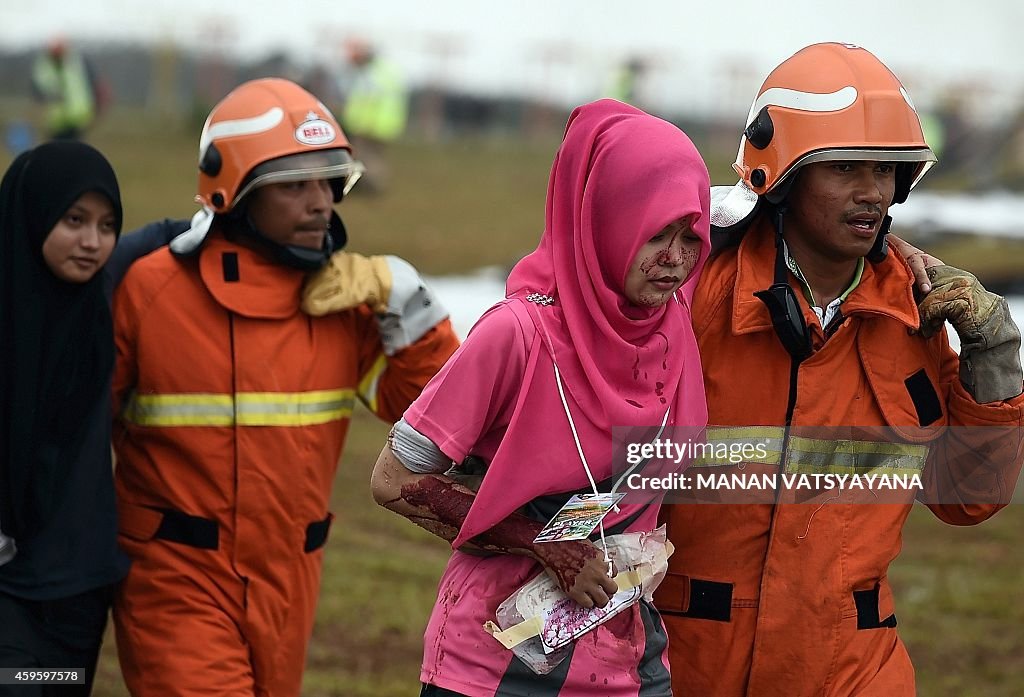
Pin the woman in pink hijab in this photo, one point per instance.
(595, 333)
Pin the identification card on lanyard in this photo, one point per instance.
(578, 517)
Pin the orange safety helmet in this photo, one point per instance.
(829, 102)
(270, 130)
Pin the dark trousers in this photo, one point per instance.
(47, 634)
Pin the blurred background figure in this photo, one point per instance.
(19, 136)
(375, 110)
(626, 82)
(67, 87)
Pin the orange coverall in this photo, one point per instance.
(232, 408)
(792, 599)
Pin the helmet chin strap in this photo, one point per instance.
(782, 303)
(296, 257)
(880, 249)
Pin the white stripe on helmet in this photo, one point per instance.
(804, 101)
(239, 127)
(906, 98)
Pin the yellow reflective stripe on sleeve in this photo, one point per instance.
(368, 385)
(245, 409)
(763, 445)
(812, 455)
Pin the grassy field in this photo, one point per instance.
(456, 206)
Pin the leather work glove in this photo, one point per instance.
(990, 366)
(405, 306)
(348, 280)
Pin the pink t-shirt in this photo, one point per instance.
(466, 409)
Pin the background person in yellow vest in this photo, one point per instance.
(375, 111)
(625, 81)
(65, 84)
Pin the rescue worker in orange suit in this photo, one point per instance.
(814, 348)
(232, 403)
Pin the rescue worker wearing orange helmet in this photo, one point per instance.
(233, 403)
(813, 347)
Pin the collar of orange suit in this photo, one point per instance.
(246, 282)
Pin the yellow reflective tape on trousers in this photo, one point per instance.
(763, 445)
(368, 385)
(245, 409)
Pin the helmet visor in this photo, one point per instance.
(923, 156)
(334, 164)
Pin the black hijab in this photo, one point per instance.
(56, 337)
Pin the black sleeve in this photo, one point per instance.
(139, 243)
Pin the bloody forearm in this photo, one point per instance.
(441, 507)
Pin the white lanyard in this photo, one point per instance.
(546, 300)
(583, 458)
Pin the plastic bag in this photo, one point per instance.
(539, 621)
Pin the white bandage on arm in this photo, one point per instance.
(413, 308)
(417, 452)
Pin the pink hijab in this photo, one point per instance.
(619, 177)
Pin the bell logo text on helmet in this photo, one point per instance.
(315, 132)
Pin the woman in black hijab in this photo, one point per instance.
(60, 216)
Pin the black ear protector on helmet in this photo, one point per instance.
(338, 188)
(761, 130)
(759, 134)
(905, 172)
(211, 165)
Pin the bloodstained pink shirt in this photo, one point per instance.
(501, 371)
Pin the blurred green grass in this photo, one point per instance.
(449, 207)
(459, 205)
